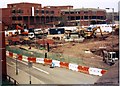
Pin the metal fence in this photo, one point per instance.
(55, 56)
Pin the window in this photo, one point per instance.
(42, 11)
(85, 12)
(19, 18)
(13, 11)
(71, 12)
(37, 11)
(66, 12)
(47, 12)
(13, 18)
(52, 12)
(19, 11)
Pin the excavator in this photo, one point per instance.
(89, 32)
(22, 30)
(16, 38)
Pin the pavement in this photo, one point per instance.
(22, 77)
(45, 75)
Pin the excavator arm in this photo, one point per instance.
(94, 29)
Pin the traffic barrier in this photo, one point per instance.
(83, 69)
(57, 63)
(7, 53)
(25, 58)
(32, 59)
(10, 54)
(95, 71)
(40, 60)
(14, 55)
(64, 64)
(47, 61)
(73, 67)
(19, 57)
(103, 71)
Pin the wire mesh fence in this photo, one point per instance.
(55, 56)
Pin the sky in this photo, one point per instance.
(102, 4)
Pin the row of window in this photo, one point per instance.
(78, 12)
(69, 17)
(85, 17)
(36, 11)
(43, 11)
(17, 11)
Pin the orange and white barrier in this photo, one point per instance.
(57, 63)
(40, 60)
(71, 66)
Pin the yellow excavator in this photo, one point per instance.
(89, 32)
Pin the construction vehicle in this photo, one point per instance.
(89, 32)
(109, 57)
(56, 33)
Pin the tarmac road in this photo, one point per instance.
(40, 74)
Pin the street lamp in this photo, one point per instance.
(16, 65)
(112, 14)
(112, 23)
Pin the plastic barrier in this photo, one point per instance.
(10, 54)
(95, 71)
(32, 59)
(64, 64)
(19, 57)
(48, 61)
(57, 63)
(103, 72)
(14, 55)
(83, 69)
(25, 58)
(7, 53)
(73, 67)
(40, 60)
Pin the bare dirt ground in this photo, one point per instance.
(79, 50)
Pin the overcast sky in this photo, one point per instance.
(102, 4)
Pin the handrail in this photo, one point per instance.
(10, 79)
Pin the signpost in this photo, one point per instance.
(29, 65)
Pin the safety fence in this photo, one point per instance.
(71, 66)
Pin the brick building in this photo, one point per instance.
(33, 15)
(84, 16)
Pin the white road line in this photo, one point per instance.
(40, 70)
(34, 67)
(25, 72)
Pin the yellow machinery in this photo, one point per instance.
(88, 33)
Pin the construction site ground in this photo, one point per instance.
(88, 51)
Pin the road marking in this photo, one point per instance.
(33, 67)
(25, 72)
(40, 70)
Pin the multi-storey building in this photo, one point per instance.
(33, 15)
(85, 16)
(110, 17)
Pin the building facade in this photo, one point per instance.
(33, 15)
(85, 16)
(109, 17)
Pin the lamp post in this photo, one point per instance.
(16, 66)
(112, 23)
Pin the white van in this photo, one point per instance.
(38, 31)
(31, 35)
